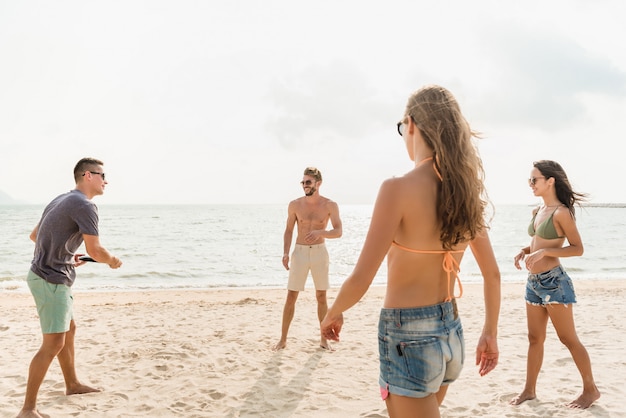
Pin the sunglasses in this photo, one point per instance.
(533, 180)
(95, 172)
(401, 126)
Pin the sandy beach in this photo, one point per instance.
(208, 354)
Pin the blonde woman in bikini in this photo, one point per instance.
(423, 222)
(549, 290)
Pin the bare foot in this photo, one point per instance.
(585, 400)
(522, 397)
(279, 346)
(326, 346)
(80, 389)
(32, 414)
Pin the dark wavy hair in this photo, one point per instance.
(461, 195)
(564, 191)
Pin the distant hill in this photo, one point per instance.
(5, 199)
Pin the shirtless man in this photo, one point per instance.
(311, 213)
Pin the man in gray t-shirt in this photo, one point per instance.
(60, 232)
(66, 222)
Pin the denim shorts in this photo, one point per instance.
(550, 287)
(54, 304)
(420, 349)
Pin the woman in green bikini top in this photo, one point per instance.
(553, 222)
(545, 229)
(550, 291)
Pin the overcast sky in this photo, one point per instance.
(228, 101)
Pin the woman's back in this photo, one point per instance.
(415, 264)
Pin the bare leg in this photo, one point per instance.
(322, 308)
(66, 360)
(406, 407)
(562, 318)
(51, 345)
(288, 313)
(441, 394)
(537, 321)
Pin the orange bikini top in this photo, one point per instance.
(449, 263)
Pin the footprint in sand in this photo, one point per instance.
(564, 361)
(214, 394)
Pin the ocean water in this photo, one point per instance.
(213, 246)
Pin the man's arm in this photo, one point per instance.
(288, 235)
(335, 221)
(33, 234)
(99, 253)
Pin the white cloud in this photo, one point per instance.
(325, 105)
(542, 78)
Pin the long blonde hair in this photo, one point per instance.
(461, 196)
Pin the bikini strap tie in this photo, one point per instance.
(449, 265)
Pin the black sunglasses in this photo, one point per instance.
(95, 172)
(400, 125)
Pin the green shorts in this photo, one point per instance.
(54, 302)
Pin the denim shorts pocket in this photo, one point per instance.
(422, 358)
(382, 348)
(550, 283)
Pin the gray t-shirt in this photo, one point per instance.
(60, 233)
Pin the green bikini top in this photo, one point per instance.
(545, 230)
